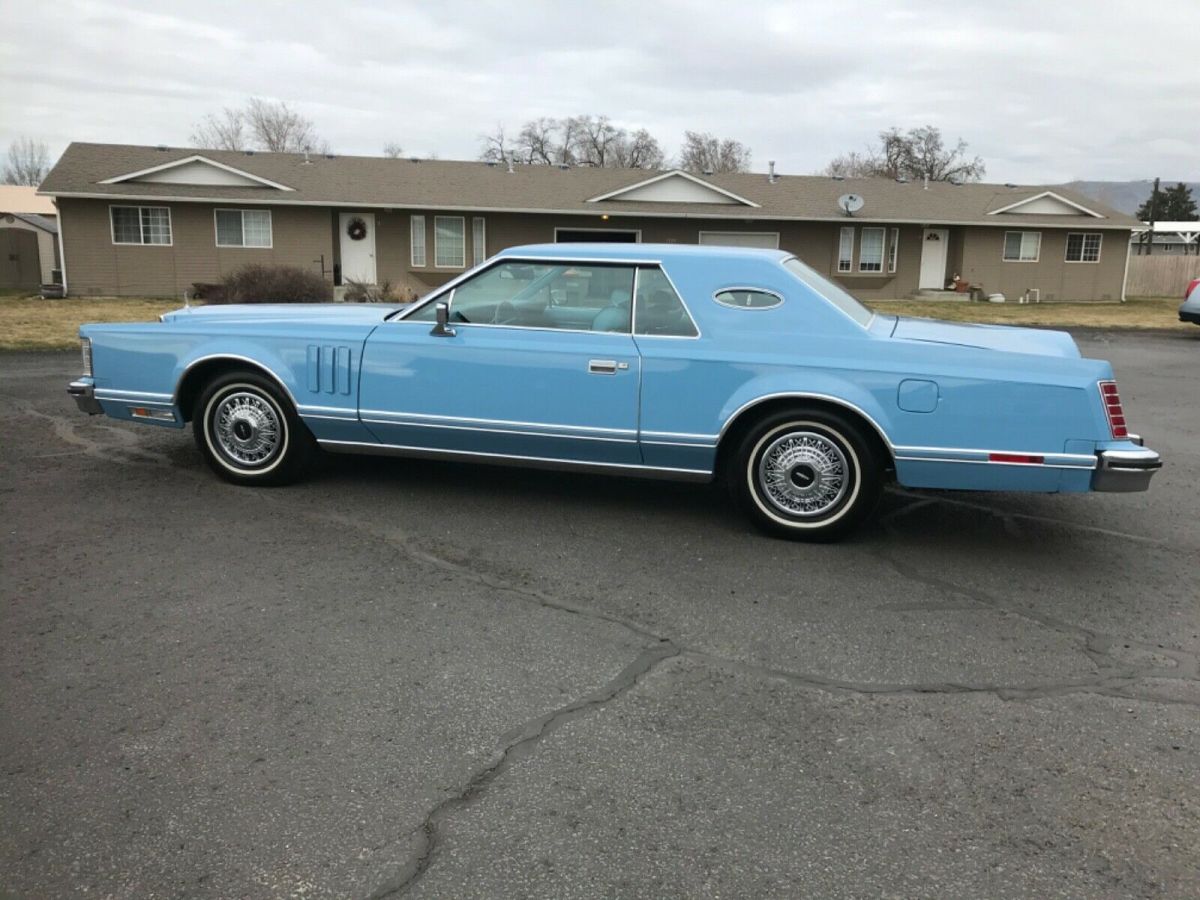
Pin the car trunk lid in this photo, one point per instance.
(987, 337)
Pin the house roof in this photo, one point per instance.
(119, 171)
(16, 198)
(48, 224)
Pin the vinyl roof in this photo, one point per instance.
(475, 186)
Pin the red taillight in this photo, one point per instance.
(1112, 409)
(1191, 287)
(1024, 458)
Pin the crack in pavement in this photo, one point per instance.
(516, 745)
(1114, 678)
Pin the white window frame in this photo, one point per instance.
(1004, 247)
(112, 225)
(416, 226)
(478, 240)
(882, 250)
(1081, 261)
(462, 259)
(270, 245)
(893, 251)
(845, 260)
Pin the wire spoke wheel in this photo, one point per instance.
(247, 429)
(803, 473)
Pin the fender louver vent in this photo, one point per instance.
(328, 369)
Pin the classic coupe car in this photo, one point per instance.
(666, 361)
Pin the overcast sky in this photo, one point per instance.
(1044, 91)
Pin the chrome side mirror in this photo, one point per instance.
(442, 328)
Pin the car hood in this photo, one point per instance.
(987, 337)
(336, 313)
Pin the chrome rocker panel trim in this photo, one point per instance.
(531, 462)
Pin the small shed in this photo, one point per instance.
(28, 239)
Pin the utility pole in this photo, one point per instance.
(1153, 213)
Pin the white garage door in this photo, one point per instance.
(767, 240)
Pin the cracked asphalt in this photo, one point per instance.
(422, 679)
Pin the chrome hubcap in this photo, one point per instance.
(247, 429)
(803, 473)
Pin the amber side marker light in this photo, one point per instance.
(1023, 458)
(160, 415)
(1113, 409)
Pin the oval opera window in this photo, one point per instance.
(748, 298)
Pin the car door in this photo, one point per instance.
(538, 363)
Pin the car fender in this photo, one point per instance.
(813, 386)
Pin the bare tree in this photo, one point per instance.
(704, 152)
(576, 140)
(597, 140)
(496, 147)
(269, 125)
(916, 154)
(850, 165)
(28, 162)
(280, 129)
(639, 150)
(537, 142)
(925, 155)
(392, 150)
(226, 131)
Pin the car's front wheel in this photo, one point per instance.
(807, 475)
(249, 433)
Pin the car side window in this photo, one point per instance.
(576, 297)
(660, 311)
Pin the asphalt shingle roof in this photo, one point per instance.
(445, 184)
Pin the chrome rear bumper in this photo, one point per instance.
(1126, 470)
(84, 393)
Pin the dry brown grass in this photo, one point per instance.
(31, 323)
(1141, 312)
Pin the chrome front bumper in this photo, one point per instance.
(1126, 470)
(84, 393)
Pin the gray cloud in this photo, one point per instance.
(1043, 91)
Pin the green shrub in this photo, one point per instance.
(275, 284)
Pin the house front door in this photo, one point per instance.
(357, 247)
(935, 250)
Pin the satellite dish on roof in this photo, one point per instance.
(851, 203)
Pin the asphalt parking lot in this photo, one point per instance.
(424, 679)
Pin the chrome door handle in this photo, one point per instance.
(602, 366)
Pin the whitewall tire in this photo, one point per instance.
(808, 475)
(249, 432)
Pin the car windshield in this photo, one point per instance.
(832, 292)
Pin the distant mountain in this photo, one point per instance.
(1125, 196)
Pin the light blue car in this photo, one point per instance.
(636, 359)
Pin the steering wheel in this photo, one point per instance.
(505, 313)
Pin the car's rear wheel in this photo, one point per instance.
(249, 432)
(806, 474)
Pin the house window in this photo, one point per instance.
(416, 229)
(141, 225)
(1022, 246)
(846, 250)
(870, 250)
(243, 227)
(1083, 246)
(893, 250)
(449, 242)
(478, 240)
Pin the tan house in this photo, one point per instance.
(28, 238)
(159, 220)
